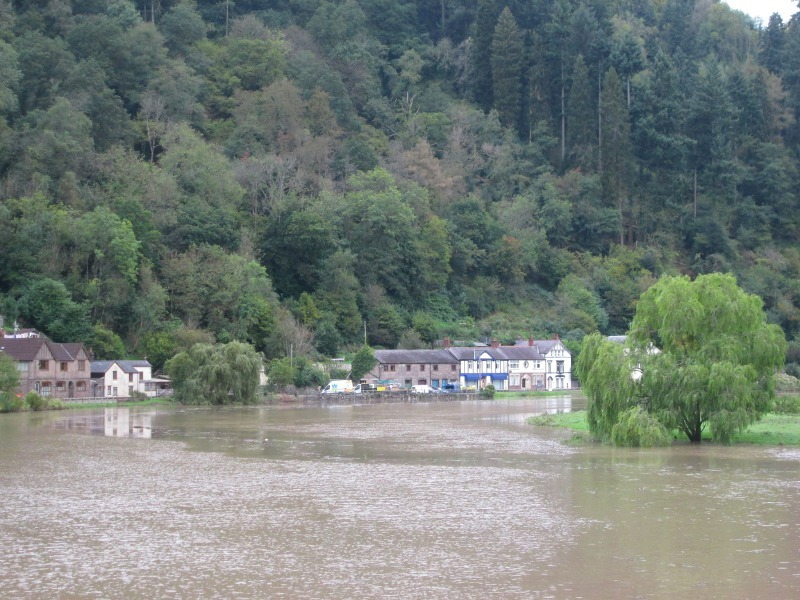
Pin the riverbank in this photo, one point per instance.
(774, 429)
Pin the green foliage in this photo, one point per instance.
(700, 353)
(362, 362)
(471, 160)
(787, 405)
(35, 402)
(9, 381)
(488, 392)
(636, 428)
(105, 344)
(215, 374)
(281, 373)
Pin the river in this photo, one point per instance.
(426, 500)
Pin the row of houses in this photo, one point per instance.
(67, 371)
(528, 365)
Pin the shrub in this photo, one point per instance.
(638, 428)
(787, 405)
(488, 392)
(35, 401)
(11, 403)
(784, 382)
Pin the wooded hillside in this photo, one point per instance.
(282, 173)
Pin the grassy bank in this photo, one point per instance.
(772, 430)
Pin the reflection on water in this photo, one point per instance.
(428, 500)
(110, 422)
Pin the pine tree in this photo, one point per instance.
(507, 68)
(485, 22)
(581, 121)
(616, 150)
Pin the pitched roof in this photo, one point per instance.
(127, 366)
(21, 349)
(500, 353)
(26, 349)
(414, 356)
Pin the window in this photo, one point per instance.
(391, 367)
(385, 367)
(513, 364)
(22, 367)
(114, 375)
(408, 382)
(59, 386)
(130, 377)
(408, 367)
(44, 365)
(130, 390)
(151, 387)
(514, 380)
(63, 366)
(109, 391)
(422, 367)
(560, 367)
(81, 365)
(81, 386)
(45, 389)
(435, 367)
(422, 382)
(452, 367)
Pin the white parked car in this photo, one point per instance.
(421, 389)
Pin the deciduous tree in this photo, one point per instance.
(699, 355)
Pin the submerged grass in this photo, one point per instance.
(772, 430)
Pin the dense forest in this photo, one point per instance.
(301, 174)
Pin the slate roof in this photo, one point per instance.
(410, 357)
(127, 366)
(21, 349)
(500, 353)
(455, 354)
(26, 349)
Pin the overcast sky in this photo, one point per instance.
(765, 8)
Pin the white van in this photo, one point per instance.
(421, 389)
(338, 386)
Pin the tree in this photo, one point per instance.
(215, 374)
(699, 354)
(507, 61)
(9, 381)
(616, 151)
(362, 362)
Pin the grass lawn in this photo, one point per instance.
(772, 430)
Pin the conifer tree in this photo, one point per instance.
(485, 22)
(616, 150)
(581, 121)
(507, 69)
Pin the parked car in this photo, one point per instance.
(451, 387)
(365, 388)
(421, 389)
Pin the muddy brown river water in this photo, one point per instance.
(428, 500)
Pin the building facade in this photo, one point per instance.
(49, 368)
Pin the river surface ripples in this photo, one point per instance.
(427, 500)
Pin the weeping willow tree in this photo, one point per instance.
(215, 374)
(698, 354)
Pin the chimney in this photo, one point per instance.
(530, 340)
(446, 342)
(555, 337)
(495, 343)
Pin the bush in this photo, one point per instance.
(11, 403)
(784, 382)
(638, 428)
(787, 405)
(35, 401)
(488, 392)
